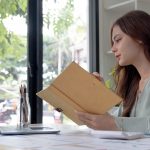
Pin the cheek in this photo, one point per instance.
(126, 57)
(129, 52)
(129, 56)
(129, 49)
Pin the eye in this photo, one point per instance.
(117, 40)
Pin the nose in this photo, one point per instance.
(113, 48)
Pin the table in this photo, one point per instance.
(71, 137)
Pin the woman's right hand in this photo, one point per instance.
(98, 122)
(98, 76)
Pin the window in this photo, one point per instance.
(36, 55)
(65, 39)
(13, 57)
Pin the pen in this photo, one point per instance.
(24, 107)
(21, 101)
(25, 104)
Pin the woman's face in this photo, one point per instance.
(126, 50)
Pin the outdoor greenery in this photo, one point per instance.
(57, 43)
(64, 32)
(12, 47)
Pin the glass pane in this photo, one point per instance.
(13, 49)
(65, 36)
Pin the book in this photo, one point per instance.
(120, 135)
(77, 89)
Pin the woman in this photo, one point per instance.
(130, 36)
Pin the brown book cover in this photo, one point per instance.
(77, 89)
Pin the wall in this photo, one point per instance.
(109, 10)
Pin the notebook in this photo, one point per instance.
(77, 89)
(117, 135)
(28, 130)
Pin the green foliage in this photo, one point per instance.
(64, 20)
(110, 83)
(12, 47)
(11, 58)
(12, 7)
(60, 19)
(50, 61)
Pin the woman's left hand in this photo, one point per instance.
(97, 122)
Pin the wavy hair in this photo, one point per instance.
(135, 24)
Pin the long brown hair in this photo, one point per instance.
(135, 24)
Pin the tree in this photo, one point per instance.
(57, 43)
(12, 47)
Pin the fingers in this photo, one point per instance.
(97, 122)
(86, 119)
(90, 120)
(84, 116)
(98, 76)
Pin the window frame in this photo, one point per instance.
(35, 52)
(35, 58)
(94, 36)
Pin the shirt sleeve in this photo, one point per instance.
(133, 124)
(141, 121)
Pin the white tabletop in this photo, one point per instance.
(70, 138)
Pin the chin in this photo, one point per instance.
(123, 64)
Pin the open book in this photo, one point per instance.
(76, 89)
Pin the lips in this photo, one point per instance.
(118, 57)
